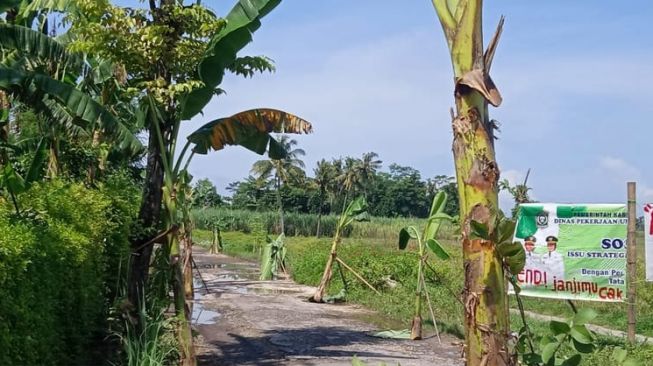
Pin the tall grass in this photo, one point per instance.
(153, 344)
(298, 224)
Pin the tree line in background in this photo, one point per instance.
(399, 191)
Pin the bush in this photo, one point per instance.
(58, 264)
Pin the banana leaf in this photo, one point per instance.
(242, 21)
(250, 129)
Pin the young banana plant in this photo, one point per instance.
(216, 240)
(427, 239)
(273, 258)
(356, 211)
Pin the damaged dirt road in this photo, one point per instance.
(244, 321)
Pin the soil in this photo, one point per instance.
(244, 321)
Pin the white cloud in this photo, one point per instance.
(364, 97)
(390, 90)
(618, 172)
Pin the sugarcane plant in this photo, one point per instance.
(273, 258)
(355, 211)
(428, 239)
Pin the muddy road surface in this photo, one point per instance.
(244, 321)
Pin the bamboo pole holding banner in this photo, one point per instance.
(632, 260)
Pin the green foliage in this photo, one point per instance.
(436, 217)
(152, 344)
(512, 253)
(125, 37)
(273, 258)
(298, 224)
(58, 264)
(205, 194)
(398, 193)
(564, 344)
(221, 54)
(519, 192)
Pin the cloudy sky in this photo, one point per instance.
(375, 75)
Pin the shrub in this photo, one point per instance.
(55, 261)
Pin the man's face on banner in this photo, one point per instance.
(551, 246)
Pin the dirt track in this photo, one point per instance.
(243, 321)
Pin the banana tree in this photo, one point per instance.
(219, 57)
(37, 71)
(14, 183)
(251, 129)
(427, 239)
(487, 326)
(355, 211)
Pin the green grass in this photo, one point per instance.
(379, 259)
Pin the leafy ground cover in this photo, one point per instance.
(393, 272)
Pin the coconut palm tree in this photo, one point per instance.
(325, 174)
(367, 168)
(349, 179)
(519, 192)
(282, 171)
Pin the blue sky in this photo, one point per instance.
(375, 75)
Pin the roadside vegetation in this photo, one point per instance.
(393, 272)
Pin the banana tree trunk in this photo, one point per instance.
(189, 289)
(280, 203)
(328, 270)
(326, 278)
(486, 317)
(416, 326)
(183, 314)
(92, 168)
(53, 162)
(215, 247)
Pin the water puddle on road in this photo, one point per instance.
(202, 316)
(271, 291)
(211, 265)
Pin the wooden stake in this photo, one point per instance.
(356, 274)
(206, 287)
(428, 300)
(632, 260)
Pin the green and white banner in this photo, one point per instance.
(575, 252)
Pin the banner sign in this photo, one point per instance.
(648, 240)
(575, 252)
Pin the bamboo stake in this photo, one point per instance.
(206, 287)
(428, 300)
(356, 274)
(632, 260)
